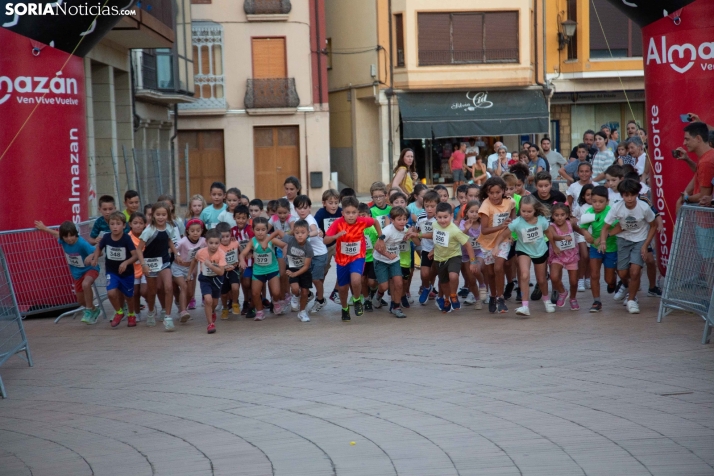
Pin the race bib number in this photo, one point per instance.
(404, 246)
(242, 244)
(500, 218)
(192, 254)
(206, 271)
(441, 238)
(232, 257)
(263, 259)
(427, 227)
(368, 243)
(393, 249)
(630, 224)
(75, 260)
(565, 245)
(296, 261)
(154, 264)
(474, 243)
(350, 248)
(531, 234)
(382, 220)
(327, 223)
(116, 254)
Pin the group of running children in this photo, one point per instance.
(491, 239)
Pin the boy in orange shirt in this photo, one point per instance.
(231, 278)
(212, 263)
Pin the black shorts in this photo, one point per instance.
(425, 261)
(540, 260)
(304, 281)
(512, 252)
(369, 270)
(407, 272)
(452, 265)
(230, 278)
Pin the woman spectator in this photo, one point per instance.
(501, 165)
(478, 171)
(405, 173)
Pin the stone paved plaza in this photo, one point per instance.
(467, 393)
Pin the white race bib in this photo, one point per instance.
(531, 234)
(382, 220)
(499, 218)
(630, 224)
(350, 248)
(116, 254)
(393, 249)
(232, 257)
(441, 238)
(154, 264)
(192, 254)
(206, 271)
(263, 259)
(474, 243)
(327, 223)
(75, 260)
(404, 246)
(242, 244)
(368, 243)
(295, 261)
(567, 245)
(427, 227)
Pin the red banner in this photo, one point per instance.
(679, 71)
(43, 138)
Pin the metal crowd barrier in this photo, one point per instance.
(689, 283)
(40, 274)
(13, 339)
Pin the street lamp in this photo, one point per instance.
(568, 31)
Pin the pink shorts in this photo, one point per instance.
(489, 256)
(568, 259)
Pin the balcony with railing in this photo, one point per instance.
(448, 57)
(267, 10)
(271, 96)
(155, 80)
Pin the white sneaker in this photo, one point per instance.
(549, 306)
(151, 319)
(470, 299)
(376, 301)
(483, 294)
(478, 305)
(587, 283)
(581, 285)
(633, 307)
(169, 324)
(410, 299)
(624, 302)
(523, 311)
(303, 316)
(294, 303)
(317, 305)
(621, 293)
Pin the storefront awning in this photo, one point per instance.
(473, 113)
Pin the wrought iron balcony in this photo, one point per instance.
(273, 93)
(267, 7)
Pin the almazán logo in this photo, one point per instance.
(40, 85)
(685, 53)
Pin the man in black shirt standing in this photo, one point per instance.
(588, 140)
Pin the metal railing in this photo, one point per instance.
(442, 57)
(267, 7)
(13, 339)
(271, 93)
(689, 283)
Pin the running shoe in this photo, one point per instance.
(501, 306)
(596, 307)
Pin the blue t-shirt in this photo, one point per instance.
(116, 252)
(531, 237)
(539, 163)
(75, 255)
(324, 219)
(101, 226)
(209, 215)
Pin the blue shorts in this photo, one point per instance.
(210, 285)
(247, 272)
(344, 273)
(609, 258)
(278, 253)
(125, 285)
(264, 278)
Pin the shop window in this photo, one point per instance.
(468, 38)
(621, 34)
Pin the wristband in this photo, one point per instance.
(473, 261)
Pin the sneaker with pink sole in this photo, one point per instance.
(259, 316)
(574, 306)
(561, 300)
(192, 304)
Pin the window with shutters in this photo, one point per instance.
(208, 80)
(468, 38)
(610, 28)
(399, 34)
(269, 58)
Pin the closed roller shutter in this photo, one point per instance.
(269, 58)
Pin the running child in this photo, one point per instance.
(173, 219)
(511, 266)
(325, 217)
(565, 254)
(265, 268)
(209, 215)
(348, 232)
(471, 227)
(637, 221)
(231, 278)
(156, 245)
(461, 198)
(406, 249)
(531, 228)
(120, 257)
(496, 213)
(583, 201)
(187, 248)
(369, 278)
(107, 206)
(283, 220)
(233, 199)
(132, 204)
(299, 254)
(255, 208)
(443, 193)
(591, 224)
(196, 206)
(416, 201)
(147, 212)
(584, 174)
(381, 207)
(211, 262)
(425, 226)
(242, 233)
(137, 224)
(78, 253)
(303, 206)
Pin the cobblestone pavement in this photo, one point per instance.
(466, 393)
